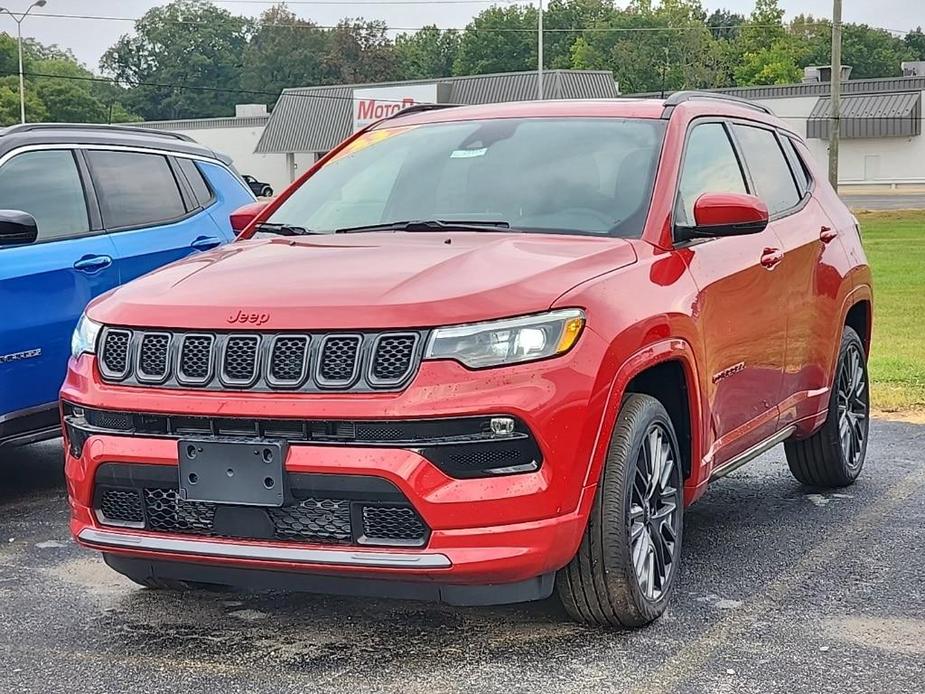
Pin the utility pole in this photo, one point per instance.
(22, 87)
(835, 123)
(539, 51)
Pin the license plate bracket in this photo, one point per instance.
(243, 473)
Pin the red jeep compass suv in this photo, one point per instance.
(478, 354)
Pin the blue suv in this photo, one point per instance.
(84, 209)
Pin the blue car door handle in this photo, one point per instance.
(204, 243)
(93, 263)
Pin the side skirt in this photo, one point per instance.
(752, 453)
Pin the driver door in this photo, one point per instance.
(740, 307)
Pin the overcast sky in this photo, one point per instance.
(89, 38)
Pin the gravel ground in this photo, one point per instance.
(784, 589)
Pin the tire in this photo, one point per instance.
(266, 192)
(601, 585)
(156, 583)
(834, 455)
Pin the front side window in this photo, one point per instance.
(710, 166)
(773, 179)
(46, 184)
(135, 188)
(552, 175)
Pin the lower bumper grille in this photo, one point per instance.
(369, 511)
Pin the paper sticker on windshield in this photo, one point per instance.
(468, 153)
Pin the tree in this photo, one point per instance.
(776, 64)
(724, 24)
(9, 103)
(915, 42)
(767, 52)
(358, 51)
(499, 39)
(284, 51)
(429, 52)
(183, 61)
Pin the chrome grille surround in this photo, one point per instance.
(362, 361)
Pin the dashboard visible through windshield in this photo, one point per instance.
(544, 175)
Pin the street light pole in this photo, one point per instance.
(539, 52)
(22, 85)
(835, 124)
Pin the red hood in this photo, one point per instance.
(373, 280)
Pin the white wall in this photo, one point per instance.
(868, 160)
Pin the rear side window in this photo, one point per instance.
(710, 166)
(135, 189)
(47, 186)
(797, 165)
(196, 180)
(771, 174)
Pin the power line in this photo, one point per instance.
(331, 97)
(593, 29)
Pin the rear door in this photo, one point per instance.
(149, 209)
(814, 265)
(45, 286)
(741, 305)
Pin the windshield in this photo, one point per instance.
(552, 175)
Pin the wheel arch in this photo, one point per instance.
(666, 370)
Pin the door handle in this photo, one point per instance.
(93, 263)
(827, 234)
(771, 258)
(205, 243)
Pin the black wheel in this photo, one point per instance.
(267, 192)
(629, 558)
(834, 455)
(157, 583)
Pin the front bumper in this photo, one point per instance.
(513, 530)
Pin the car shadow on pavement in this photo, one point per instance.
(26, 471)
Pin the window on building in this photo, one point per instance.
(134, 188)
(47, 185)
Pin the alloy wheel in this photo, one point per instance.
(653, 513)
(852, 407)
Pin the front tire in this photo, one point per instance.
(834, 455)
(629, 559)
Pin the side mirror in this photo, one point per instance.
(17, 228)
(725, 214)
(246, 214)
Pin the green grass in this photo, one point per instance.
(895, 245)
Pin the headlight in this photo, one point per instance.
(84, 338)
(508, 341)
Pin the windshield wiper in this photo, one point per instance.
(285, 229)
(430, 225)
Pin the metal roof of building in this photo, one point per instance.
(869, 115)
(315, 119)
(782, 91)
(203, 123)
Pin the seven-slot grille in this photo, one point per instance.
(260, 361)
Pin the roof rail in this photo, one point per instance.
(29, 127)
(419, 108)
(681, 97)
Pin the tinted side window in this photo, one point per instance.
(710, 166)
(47, 186)
(196, 180)
(773, 180)
(134, 188)
(797, 165)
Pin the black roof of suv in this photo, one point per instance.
(16, 136)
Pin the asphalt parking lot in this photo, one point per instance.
(885, 202)
(783, 589)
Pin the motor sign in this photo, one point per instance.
(371, 104)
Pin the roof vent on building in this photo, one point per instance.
(250, 110)
(823, 73)
(914, 68)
